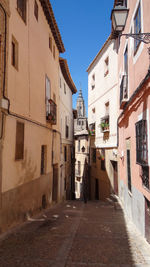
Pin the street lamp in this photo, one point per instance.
(119, 16)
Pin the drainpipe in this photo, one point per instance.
(4, 78)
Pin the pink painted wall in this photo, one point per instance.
(137, 69)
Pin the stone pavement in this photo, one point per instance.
(74, 234)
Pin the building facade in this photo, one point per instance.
(30, 106)
(67, 89)
(102, 121)
(134, 117)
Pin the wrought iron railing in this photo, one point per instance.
(51, 112)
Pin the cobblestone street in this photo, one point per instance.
(75, 234)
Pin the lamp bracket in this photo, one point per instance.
(143, 37)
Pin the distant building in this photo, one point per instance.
(67, 89)
(80, 123)
(81, 146)
(102, 121)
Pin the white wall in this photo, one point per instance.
(105, 91)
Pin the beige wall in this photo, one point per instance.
(26, 93)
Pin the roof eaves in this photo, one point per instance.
(49, 14)
(67, 75)
(91, 64)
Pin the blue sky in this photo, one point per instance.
(84, 26)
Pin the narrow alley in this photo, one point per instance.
(76, 234)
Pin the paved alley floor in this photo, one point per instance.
(74, 234)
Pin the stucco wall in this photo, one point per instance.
(134, 205)
(105, 91)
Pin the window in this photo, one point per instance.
(47, 95)
(78, 145)
(107, 109)
(43, 159)
(50, 43)
(19, 154)
(14, 53)
(93, 82)
(21, 7)
(79, 167)
(36, 10)
(103, 165)
(64, 88)
(94, 155)
(65, 153)
(137, 27)
(145, 176)
(124, 82)
(105, 124)
(106, 66)
(54, 51)
(67, 127)
(125, 3)
(92, 129)
(141, 143)
(93, 110)
(129, 170)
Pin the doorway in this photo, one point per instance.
(96, 189)
(115, 176)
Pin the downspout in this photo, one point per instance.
(4, 78)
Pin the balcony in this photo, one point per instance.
(51, 112)
(105, 124)
(123, 91)
(91, 129)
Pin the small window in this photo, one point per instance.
(107, 108)
(78, 145)
(43, 159)
(94, 155)
(19, 154)
(93, 110)
(129, 170)
(21, 7)
(54, 51)
(137, 27)
(93, 82)
(145, 176)
(125, 3)
(14, 53)
(106, 66)
(79, 167)
(65, 153)
(67, 127)
(50, 43)
(103, 168)
(64, 88)
(36, 11)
